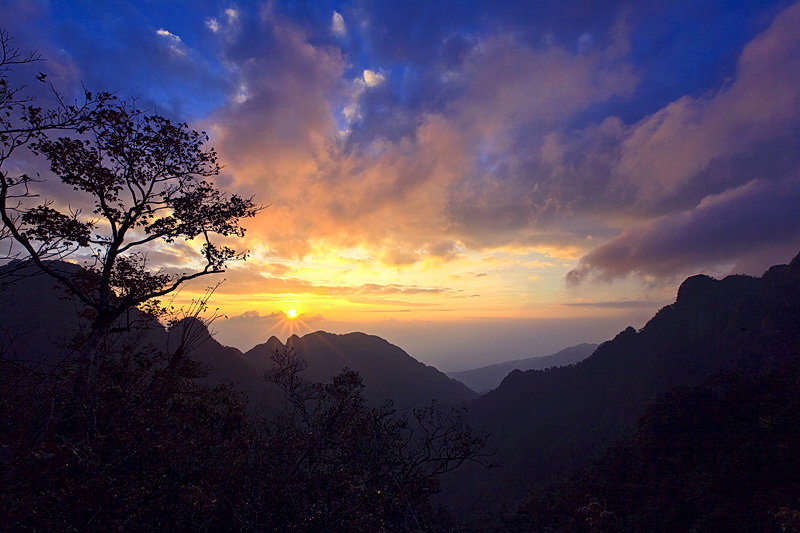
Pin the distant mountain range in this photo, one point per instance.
(486, 378)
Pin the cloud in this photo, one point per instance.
(500, 165)
(513, 98)
(667, 150)
(271, 282)
(373, 79)
(168, 35)
(446, 250)
(287, 113)
(737, 223)
(400, 257)
(213, 24)
(617, 304)
(337, 25)
(462, 174)
(226, 25)
(710, 180)
(174, 42)
(413, 31)
(421, 138)
(232, 15)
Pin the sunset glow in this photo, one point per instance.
(488, 186)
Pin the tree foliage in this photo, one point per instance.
(148, 446)
(721, 456)
(330, 462)
(23, 121)
(145, 180)
(141, 178)
(155, 450)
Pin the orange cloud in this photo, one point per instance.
(400, 199)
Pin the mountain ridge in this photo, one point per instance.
(395, 374)
(554, 421)
(485, 378)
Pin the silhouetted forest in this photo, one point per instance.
(687, 424)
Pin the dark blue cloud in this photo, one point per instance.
(737, 223)
(678, 47)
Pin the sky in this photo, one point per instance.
(473, 181)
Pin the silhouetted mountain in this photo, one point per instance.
(38, 321)
(387, 371)
(36, 312)
(716, 370)
(486, 378)
(553, 421)
(225, 363)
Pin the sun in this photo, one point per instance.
(291, 314)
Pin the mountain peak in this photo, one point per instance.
(274, 342)
(387, 370)
(695, 288)
(188, 334)
(489, 377)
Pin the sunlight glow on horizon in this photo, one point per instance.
(497, 285)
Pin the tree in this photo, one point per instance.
(23, 121)
(145, 179)
(330, 462)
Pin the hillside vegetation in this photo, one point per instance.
(550, 424)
